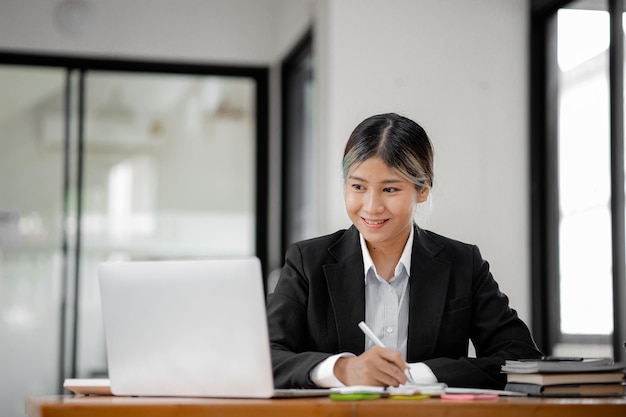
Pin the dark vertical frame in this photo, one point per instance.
(544, 175)
(70, 285)
(616, 70)
(80, 117)
(291, 118)
(67, 105)
(261, 77)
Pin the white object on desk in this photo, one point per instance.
(88, 386)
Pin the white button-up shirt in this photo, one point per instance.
(387, 302)
(386, 313)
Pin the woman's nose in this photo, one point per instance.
(373, 203)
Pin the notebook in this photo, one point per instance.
(190, 328)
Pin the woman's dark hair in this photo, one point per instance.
(402, 144)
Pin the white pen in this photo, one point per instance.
(369, 333)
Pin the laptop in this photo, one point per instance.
(189, 328)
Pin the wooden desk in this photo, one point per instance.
(81, 406)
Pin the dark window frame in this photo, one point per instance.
(544, 175)
(291, 117)
(83, 64)
(259, 74)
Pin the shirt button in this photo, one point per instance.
(389, 329)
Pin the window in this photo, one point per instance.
(109, 160)
(577, 177)
(584, 173)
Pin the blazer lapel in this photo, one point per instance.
(346, 286)
(428, 289)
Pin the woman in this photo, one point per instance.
(426, 296)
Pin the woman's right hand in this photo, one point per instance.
(377, 366)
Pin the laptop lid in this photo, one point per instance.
(186, 328)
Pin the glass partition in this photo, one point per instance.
(167, 168)
(31, 235)
(169, 172)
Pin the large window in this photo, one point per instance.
(578, 177)
(584, 173)
(169, 172)
(114, 160)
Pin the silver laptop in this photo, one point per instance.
(188, 328)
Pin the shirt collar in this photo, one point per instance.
(405, 258)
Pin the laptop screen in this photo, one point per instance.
(186, 328)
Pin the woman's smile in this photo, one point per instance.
(374, 223)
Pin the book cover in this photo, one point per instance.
(565, 366)
(566, 378)
(568, 390)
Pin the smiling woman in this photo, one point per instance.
(381, 205)
(424, 296)
(385, 180)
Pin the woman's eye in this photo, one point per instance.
(357, 187)
(390, 190)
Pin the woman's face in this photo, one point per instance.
(380, 203)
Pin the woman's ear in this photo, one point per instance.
(422, 195)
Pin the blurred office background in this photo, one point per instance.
(150, 129)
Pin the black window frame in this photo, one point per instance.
(83, 64)
(293, 79)
(258, 73)
(544, 175)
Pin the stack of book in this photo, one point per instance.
(566, 377)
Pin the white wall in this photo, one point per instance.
(243, 32)
(458, 67)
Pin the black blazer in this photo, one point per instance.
(320, 298)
